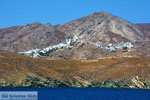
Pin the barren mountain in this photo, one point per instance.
(99, 50)
(31, 36)
(103, 27)
(145, 28)
(97, 35)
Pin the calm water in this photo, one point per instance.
(86, 93)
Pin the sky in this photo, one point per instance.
(22, 12)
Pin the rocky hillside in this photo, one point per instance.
(144, 28)
(112, 72)
(31, 36)
(97, 35)
(103, 27)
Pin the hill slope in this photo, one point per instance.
(31, 36)
(18, 70)
(101, 27)
(97, 35)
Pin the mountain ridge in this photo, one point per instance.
(98, 28)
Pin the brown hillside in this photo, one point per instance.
(101, 27)
(15, 68)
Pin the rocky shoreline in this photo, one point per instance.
(36, 82)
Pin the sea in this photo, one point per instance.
(85, 93)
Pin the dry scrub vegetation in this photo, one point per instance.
(15, 68)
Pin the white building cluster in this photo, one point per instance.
(46, 51)
(113, 47)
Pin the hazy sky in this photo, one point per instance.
(22, 12)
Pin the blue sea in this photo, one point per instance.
(86, 93)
